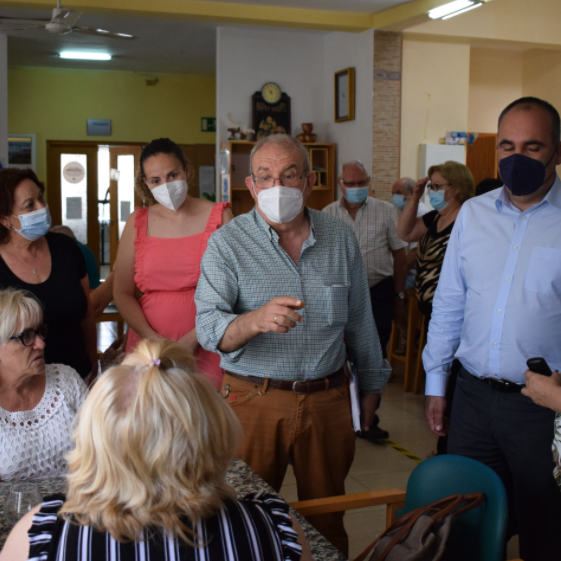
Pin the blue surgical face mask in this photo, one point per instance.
(437, 200)
(399, 201)
(356, 195)
(34, 225)
(523, 175)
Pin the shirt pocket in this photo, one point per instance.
(336, 303)
(544, 271)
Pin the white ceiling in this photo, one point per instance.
(162, 46)
(178, 46)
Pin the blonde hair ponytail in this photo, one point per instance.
(153, 443)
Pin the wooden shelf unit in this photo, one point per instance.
(234, 161)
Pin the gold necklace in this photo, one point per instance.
(34, 269)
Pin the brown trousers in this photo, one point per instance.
(313, 430)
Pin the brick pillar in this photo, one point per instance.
(386, 118)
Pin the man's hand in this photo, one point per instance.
(368, 404)
(278, 315)
(544, 390)
(434, 412)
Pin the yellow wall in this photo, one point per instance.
(542, 75)
(55, 104)
(495, 80)
(435, 93)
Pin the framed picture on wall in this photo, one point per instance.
(345, 95)
(21, 151)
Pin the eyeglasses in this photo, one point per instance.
(28, 336)
(286, 179)
(361, 183)
(436, 186)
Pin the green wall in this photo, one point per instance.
(54, 104)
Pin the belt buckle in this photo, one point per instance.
(309, 382)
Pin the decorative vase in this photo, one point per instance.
(307, 135)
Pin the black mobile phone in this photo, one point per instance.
(539, 366)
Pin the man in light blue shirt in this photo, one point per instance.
(498, 303)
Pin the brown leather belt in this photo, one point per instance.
(299, 387)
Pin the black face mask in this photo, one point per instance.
(523, 175)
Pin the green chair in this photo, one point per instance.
(477, 534)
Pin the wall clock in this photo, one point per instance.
(271, 93)
(270, 110)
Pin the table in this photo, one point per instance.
(239, 475)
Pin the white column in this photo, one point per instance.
(3, 99)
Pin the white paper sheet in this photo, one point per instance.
(74, 208)
(355, 398)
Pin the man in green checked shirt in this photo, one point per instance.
(283, 298)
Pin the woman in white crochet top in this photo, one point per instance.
(37, 402)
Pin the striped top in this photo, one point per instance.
(375, 227)
(255, 528)
(244, 267)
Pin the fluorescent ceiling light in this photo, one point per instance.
(77, 55)
(450, 8)
(464, 10)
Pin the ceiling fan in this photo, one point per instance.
(62, 23)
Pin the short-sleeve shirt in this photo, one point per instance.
(64, 302)
(257, 526)
(375, 227)
(430, 256)
(34, 443)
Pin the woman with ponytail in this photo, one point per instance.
(147, 476)
(160, 254)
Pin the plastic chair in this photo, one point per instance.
(477, 534)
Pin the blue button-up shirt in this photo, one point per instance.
(244, 267)
(498, 301)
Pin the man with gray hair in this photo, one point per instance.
(374, 223)
(283, 297)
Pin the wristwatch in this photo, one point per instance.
(400, 295)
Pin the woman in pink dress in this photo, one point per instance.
(160, 253)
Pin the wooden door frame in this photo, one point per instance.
(114, 210)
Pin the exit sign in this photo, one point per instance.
(208, 124)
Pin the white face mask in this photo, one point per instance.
(280, 204)
(171, 195)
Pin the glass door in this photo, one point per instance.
(72, 189)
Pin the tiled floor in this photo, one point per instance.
(382, 467)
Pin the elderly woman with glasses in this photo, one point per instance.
(160, 253)
(37, 402)
(147, 476)
(449, 185)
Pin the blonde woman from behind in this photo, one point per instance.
(147, 476)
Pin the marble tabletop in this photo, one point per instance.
(240, 476)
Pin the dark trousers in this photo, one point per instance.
(513, 436)
(382, 298)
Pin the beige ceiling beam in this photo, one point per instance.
(398, 18)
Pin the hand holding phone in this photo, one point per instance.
(539, 366)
